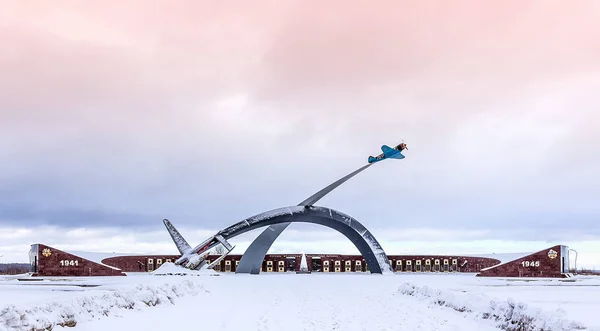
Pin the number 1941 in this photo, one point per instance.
(530, 263)
(66, 263)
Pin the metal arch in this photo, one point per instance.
(352, 229)
(252, 259)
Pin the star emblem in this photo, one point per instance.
(46, 252)
(552, 254)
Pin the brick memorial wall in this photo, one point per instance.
(54, 262)
(545, 263)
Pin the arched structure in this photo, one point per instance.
(352, 229)
(277, 221)
(258, 249)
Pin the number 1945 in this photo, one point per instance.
(530, 263)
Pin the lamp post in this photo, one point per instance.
(570, 249)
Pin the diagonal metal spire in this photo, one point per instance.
(317, 196)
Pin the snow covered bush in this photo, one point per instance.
(506, 314)
(92, 305)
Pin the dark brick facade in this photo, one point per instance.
(547, 263)
(318, 263)
(139, 263)
(49, 261)
(440, 263)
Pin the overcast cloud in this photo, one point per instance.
(113, 117)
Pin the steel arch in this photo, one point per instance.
(352, 229)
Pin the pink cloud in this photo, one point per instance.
(317, 72)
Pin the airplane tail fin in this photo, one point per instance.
(180, 242)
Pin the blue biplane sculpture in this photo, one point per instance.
(389, 153)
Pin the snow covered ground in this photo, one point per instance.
(299, 302)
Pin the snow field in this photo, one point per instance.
(294, 302)
(298, 302)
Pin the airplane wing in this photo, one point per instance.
(388, 151)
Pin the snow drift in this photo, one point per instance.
(87, 307)
(506, 314)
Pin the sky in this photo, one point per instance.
(114, 116)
